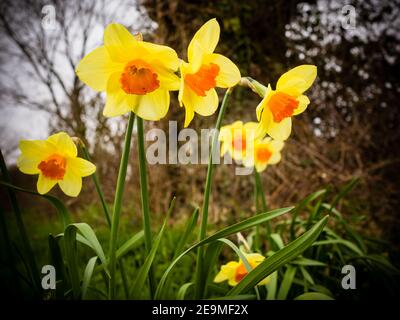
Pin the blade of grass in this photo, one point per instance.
(142, 275)
(191, 224)
(87, 276)
(272, 286)
(286, 283)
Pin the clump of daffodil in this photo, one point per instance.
(237, 139)
(55, 160)
(204, 71)
(266, 152)
(235, 271)
(275, 111)
(136, 75)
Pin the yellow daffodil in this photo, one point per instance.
(266, 152)
(55, 160)
(237, 139)
(278, 106)
(235, 271)
(136, 75)
(205, 71)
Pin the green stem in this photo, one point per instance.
(261, 194)
(200, 277)
(21, 227)
(145, 199)
(100, 193)
(96, 184)
(117, 204)
(256, 202)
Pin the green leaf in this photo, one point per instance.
(308, 262)
(191, 224)
(142, 275)
(240, 226)
(278, 240)
(182, 291)
(346, 243)
(280, 258)
(61, 209)
(286, 283)
(130, 244)
(301, 205)
(272, 286)
(87, 276)
(89, 235)
(70, 253)
(313, 296)
(306, 275)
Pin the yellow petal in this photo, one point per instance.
(71, 184)
(220, 277)
(275, 158)
(80, 167)
(44, 184)
(36, 149)
(297, 80)
(189, 115)
(168, 80)
(207, 37)
(153, 106)
(64, 144)
(275, 145)
(117, 101)
(303, 103)
(280, 131)
(165, 55)
(265, 281)
(263, 102)
(28, 165)
(206, 106)
(96, 67)
(229, 74)
(116, 34)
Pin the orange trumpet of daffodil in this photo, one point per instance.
(266, 152)
(204, 72)
(275, 111)
(235, 271)
(136, 75)
(55, 160)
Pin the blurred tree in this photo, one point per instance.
(42, 43)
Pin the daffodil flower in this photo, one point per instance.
(278, 106)
(237, 139)
(235, 271)
(205, 71)
(136, 75)
(266, 152)
(55, 160)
